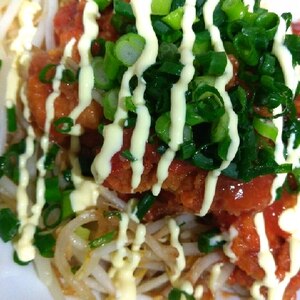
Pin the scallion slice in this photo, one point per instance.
(144, 205)
(103, 239)
(161, 7)
(52, 190)
(9, 224)
(52, 215)
(128, 155)
(265, 128)
(63, 124)
(45, 243)
(129, 47)
(11, 119)
(177, 294)
(174, 18)
(68, 76)
(101, 79)
(210, 241)
(47, 74)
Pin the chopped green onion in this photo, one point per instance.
(128, 155)
(161, 7)
(213, 63)
(9, 224)
(111, 63)
(50, 157)
(267, 64)
(123, 8)
(110, 104)
(203, 162)
(63, 124)
(177, 294)
(52, 215)
(68, 76)
(11, 119)
(102, 240)
(162, 126)
(130, 106)
(171, 68)
(174, 18)
(0, 64)
(210, 241)
(112, 214)
(47, 74)
(202, 43)
(129, 47)
(102, 4)
(220, 129)
(144, 205)
(52, 191)
(66, 205)
(234, 9)
(245, 49)
(45, 243)
(18, 261)
(265, 128)
(187, 150)
(101, 80)
(292, 42)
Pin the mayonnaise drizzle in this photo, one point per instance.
(86, 75)
(290, 76)
(220, 85)
(265, 259)
(178, 99)
(125, 260)
(101, 167)
(180, 259)
(148, 57)
(24, 246)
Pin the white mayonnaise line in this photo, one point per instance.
(56, 88)
(229, 237)
(220, 85)
(24, 245)
(101, 166)
(265, 259)
(148, 57)
(126, 260)
(178, 100)
(21, 47)
(180, 259)
(290, 76)
(86, 75)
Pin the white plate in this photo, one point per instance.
(21, 282)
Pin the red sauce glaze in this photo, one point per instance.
(187, 183)
(296, 27)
